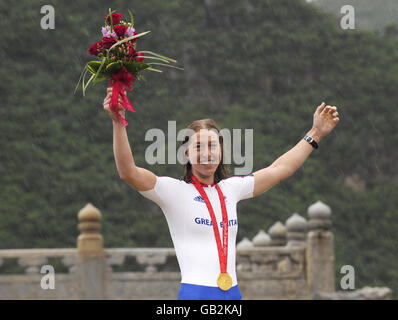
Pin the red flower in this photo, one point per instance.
(134, 35)
(132, 51)
(108, 42)
(115, 18)
(95, 48)
(140, 56)
(120, 30)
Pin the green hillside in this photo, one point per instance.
(254, 64)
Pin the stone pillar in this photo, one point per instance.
(278, 234)
(92, 267)
(320, 249)
(262, 239)
(244, 244)
(296, 230)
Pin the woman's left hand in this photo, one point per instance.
(325, 119)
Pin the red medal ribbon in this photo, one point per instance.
(222, 248)
(120, 82)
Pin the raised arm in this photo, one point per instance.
(325, 119)
(139, 178)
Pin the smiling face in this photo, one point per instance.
(204, 152)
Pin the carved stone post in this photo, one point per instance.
(245, 243)
(262, 239)
(277, 234)
(92, 267)
(320, 249)
(296, 230)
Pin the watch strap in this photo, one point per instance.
(311, 141)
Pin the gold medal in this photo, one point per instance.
(224, 281)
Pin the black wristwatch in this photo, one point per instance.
(311, 141)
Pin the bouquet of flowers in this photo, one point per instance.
(119, 61)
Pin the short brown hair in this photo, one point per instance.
(222, 171)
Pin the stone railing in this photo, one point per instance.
(291, 261)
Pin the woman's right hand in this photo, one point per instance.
(107, 108)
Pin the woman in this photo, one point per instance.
(198, 206)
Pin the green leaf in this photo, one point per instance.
(114, 66)
(166, 65)
(131, 17)
(106, 20)
(84, 75)
(128, 39)
(136, 66)
(101, 78)
(80, 78)
(93, 66)
(110, 18)
(152, 69)
(160, 56)
(140, 77)
(88, 82)
(100, 67)
(161, 59)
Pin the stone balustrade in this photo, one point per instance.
(294, 260)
